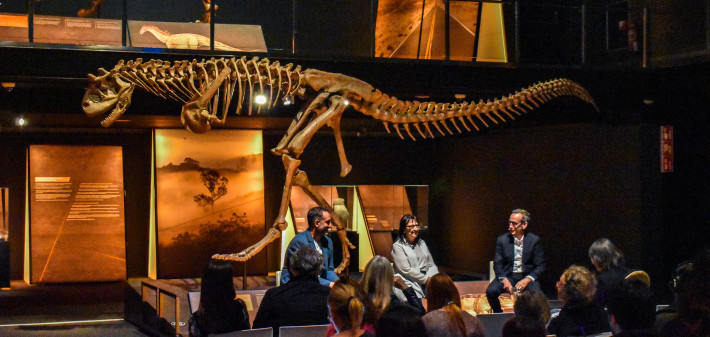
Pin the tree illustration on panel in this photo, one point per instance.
(215, 184)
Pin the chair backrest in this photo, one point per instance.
(493, 323)
(303, 331)
(263, 332)
(193, 298)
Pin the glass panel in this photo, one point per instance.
(167, 313)
(384, 205)
(550, 33)
(618, 26)
(399, 30)
(463, 22)
(249, 26)
(174, 24)
(13, 21)
(301, 203)
(333, 27)
(76, 22)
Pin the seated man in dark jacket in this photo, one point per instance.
(301, 301)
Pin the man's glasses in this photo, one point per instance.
(516, 224)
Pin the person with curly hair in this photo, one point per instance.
(579, 316)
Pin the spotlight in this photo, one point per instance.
(346, 102)
(260, 99)
(287, 101)
(460, 96)
(20, 121)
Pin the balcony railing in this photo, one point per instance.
(470, 31)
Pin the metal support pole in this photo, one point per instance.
(213, 14)
(517, 31)
(447, 44)
(645, 36)
(293, 27)
(30, 21)
(584, 33)
(124, 22)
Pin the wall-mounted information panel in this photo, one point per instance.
(77, 224)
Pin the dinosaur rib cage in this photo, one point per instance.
(185, 81)
(391, 110)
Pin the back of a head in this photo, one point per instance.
(400, 321)
(347, 303)
(631, 303)
(306, 261)
(605, 254)
(217, 287)
(694, 295)
(377, 281)
(533, 305)
(580, 284)
(440, 291)
(518, 326)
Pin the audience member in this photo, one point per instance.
(519, 260)
(678, 279)
(632, 309)
(609, 263)
(400, 321)
(533, 305)
(579, 315)
(347, 306)
(520, 326)
(379, 282)
(370, 318)
(411, 256)
(693, 318)
(219, 310)
(444, 316)
(319, 222)
(301, 301)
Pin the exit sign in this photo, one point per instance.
(666, 148)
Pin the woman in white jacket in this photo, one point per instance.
(412, 260)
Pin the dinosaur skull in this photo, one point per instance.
(107, 91)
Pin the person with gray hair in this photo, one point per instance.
(519, 260)
(609, 263)
(301, 301)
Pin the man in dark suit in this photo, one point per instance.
(302, 301)
(319, 222)
(519, 260)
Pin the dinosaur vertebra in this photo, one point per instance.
(325, 96)
(185, 40)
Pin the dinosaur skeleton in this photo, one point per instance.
(208, 89)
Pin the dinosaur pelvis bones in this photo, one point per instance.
(209, 88)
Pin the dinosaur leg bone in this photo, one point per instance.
(297, 124)
(301, 180)
(291, 166)
(330, 117)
